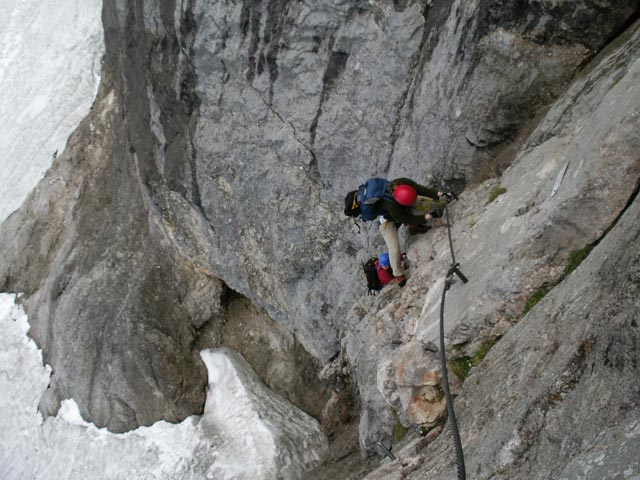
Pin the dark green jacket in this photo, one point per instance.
(401, 214)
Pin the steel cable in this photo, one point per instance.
(453, 424)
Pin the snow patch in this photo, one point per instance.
(50, 53)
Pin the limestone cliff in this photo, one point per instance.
(211, 173)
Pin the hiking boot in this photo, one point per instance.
(405, 262)
(401, 280)
(417, 229)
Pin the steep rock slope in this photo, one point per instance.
(217, 156)
(557, 396)
(568, 185)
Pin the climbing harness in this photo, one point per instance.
(453, 425)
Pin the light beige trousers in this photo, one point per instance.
(390, 234)
(389, 231)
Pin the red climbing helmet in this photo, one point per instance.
(405, 195)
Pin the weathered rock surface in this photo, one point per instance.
(568, 184)
(557, 396)
(509, 248)
(300, 102)
(217, 157)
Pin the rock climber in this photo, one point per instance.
(384, 270)
(397, 202)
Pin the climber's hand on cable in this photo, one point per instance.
(448, 196)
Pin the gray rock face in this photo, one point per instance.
(557, 397)
(510, 248)
(568, 184)
(300, 103)
(217, 157)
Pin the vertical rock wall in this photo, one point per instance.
(301, 102)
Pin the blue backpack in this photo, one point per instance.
(368, 197)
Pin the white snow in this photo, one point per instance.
(50, 53)
(246, 432)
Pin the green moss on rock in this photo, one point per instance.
(495, 193)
